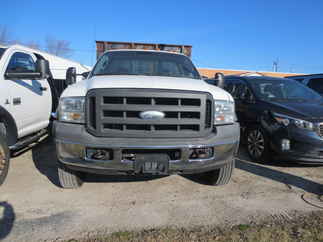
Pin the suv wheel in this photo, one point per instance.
(220, 176)
(4, 156)
(258, 145)
(68, 178)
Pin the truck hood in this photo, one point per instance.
(155, 82)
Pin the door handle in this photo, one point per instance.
(17, 101)
(43, 88)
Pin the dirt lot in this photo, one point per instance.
(33, 207)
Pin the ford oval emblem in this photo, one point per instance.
(152, 115)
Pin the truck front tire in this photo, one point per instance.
(68, 178)
(4, 156)
(220, 176)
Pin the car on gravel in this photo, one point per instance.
(145, 112)
(280, 118)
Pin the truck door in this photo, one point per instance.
(30, 99)
(4, 92)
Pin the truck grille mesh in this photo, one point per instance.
(116, 113)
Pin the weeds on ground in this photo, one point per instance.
(305, 228)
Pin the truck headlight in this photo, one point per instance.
(71, 109)
(287, 120)
(224, 112)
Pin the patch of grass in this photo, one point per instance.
(307, 228)
(243, 227)
(122, 235)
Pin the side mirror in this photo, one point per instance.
(220, 78)
(85, 74)
(42, 72)
(70, 76)
(42, 67)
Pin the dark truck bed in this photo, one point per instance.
(102, 46)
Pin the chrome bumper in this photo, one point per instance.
(72, 141)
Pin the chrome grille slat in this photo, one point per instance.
(115, 113)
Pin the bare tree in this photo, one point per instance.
(6, 37)
(33, 44)
(58, 47)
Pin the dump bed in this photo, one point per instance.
(102, 46)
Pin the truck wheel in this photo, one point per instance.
(221, 176)
(4, 158)
(68, 178)
(258, 145)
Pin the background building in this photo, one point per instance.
(210, 72)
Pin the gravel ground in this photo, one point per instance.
(33, 207)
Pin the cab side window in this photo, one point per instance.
(246, 93)
(230, 87)
(21, 62)
(239, 89)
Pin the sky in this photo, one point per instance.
(229, 34)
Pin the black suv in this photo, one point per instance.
(280, 118)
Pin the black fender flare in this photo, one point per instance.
(10, 124)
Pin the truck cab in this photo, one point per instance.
(29, 92)
(25, 101)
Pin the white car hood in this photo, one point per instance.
(155, 82)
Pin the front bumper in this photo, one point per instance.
(305, 146)
(72, 140)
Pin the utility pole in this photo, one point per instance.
(275, 65)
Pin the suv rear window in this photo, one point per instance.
(316, 84)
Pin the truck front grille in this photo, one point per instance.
(116, 113)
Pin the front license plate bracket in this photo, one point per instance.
(157, 164)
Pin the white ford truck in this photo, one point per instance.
(29, 92)
(145, 112)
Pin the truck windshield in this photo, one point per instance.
(2, 50)
(145, 63)
(283, 90)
